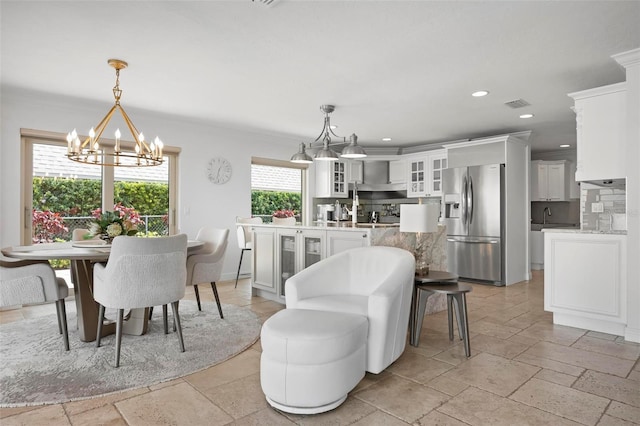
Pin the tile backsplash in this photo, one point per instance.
(603, 209)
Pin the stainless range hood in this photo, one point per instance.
(375, 177)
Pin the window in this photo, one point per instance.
(60, 195)
(277, 185)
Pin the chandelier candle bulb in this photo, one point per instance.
(117, 135)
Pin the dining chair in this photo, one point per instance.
(25, 282)
(141, 272)
(205, 266)
(244, 237)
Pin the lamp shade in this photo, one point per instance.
(419, 217)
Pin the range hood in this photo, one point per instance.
(375, 178)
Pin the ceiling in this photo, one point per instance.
(398, 69)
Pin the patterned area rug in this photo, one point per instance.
(35, 369)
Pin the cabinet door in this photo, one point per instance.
(311, 248)
(338, 241)
(437, 162)
(340, 187)
(356, 171)
(543, 182)
(287, 249)
(264, 259)
(556, 182)
(398, 171)
(417, 177)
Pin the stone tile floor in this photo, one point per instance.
(523, 371)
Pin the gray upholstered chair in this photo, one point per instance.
(24, 282)
(205, 266)
(141, 272)
(244, 237)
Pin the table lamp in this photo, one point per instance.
(419, 218)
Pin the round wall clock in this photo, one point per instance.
(219, 170)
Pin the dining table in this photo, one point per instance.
(82, 256)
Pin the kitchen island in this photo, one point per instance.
(585, 279)
(280, 251)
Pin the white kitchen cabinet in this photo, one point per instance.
(263, 267)
(601, 132)
(437, 161)
(355, 170)
(338, 241)
(331, 179)
(550, 180)
(397, 171)
(424, 177)
(585, 280)
(296, 250)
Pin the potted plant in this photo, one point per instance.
(283, 217)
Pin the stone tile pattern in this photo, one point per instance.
(523, 370)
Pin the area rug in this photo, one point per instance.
(35, 369)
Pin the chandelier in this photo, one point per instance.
(92, 152)
(353, 150)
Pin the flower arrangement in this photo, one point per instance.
(108, 225)
(284, 213)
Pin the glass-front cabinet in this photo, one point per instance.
(416, 183)
(437, 163)
(297, 250)
(331, 179)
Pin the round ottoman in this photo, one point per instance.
(311, 359)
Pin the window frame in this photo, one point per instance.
(29, 137)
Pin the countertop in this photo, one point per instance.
(584, 231)
(333, 226)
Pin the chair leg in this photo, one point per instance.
(176, 321)
(450, 315)
(164, 319)
(119, 335)
(239, 265)
(100, 321)
(215, 293)
(61, 309)
(195, 288)
(150, 312)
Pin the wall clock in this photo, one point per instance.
(219, 170)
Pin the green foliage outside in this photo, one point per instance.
(264, 203)
(77, 197)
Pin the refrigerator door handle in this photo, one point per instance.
(463, 200)
(453, 240)
(470, 200)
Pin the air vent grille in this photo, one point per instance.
(518, 103)
(265, 2)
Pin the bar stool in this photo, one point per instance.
(445, 283)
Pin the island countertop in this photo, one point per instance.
(333, 226)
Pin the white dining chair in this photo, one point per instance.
(205, 266)
(25, 282)
(141, 272)
(244, 237)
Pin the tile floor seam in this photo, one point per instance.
(449, 415)
(378, 409)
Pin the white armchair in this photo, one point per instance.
(205, 266)
(375, 282)
(141, 272)
(23, 282)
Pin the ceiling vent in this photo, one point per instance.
(264, 2)
(518, 103)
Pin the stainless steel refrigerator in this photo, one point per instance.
(473, 203)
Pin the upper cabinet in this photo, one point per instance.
(600, 125)
(331, 179)
(397, 171)
(424, 174)
(550, 180)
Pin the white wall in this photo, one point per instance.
(207, 204)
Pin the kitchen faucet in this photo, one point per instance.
(544, 214)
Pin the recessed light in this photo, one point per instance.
(480, 93)
(386, 139)
(565, 146)
(527, 116)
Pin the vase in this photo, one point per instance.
(284, 221)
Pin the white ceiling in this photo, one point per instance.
(399, 69)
